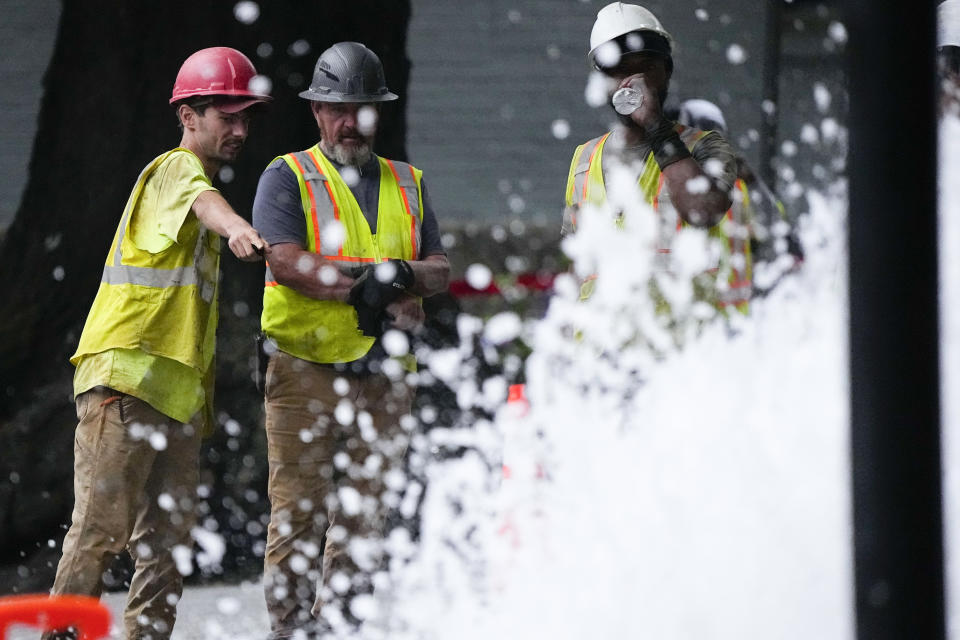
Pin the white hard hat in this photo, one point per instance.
(948, 23)
(702, 114)
(617, 19)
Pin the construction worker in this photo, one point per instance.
(756, 208)
(633, 52)
(144, 377)
(948, 55)
(355, 244)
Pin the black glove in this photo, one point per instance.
(370, 296)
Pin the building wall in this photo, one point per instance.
(813, 102)
(27, 31)
(497, 101)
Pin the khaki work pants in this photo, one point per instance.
(135, 479)
(332, 440)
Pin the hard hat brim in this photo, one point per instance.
(655, 43)
(213, 93)
(316, 96)
(236, 106)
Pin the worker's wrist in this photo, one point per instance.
(666, 144)
(235, 226)
(405, 273)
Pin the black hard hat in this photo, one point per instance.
(348, 72)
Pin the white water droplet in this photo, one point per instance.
(299, 48)
(822, 97)
(158, 441)
(333, 235)
(246, 11)
(166, 502)
(607, 54)
(595, 92)
(560, 129)
(344, 413)
(367, 118)
(837, 32)
(183, 558)
(229, 606)
(479, 276)
(260, 84)
(736, 54)
(350, 500)
(395, 343)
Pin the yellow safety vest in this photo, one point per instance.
(326, 331)
(585, 184)
(165, 303)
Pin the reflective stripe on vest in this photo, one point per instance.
(118, 273)
(580, 183)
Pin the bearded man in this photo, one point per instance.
(355, 246)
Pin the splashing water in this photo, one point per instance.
(654, 491)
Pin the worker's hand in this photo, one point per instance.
(379, 285)
(246, 244)
(649, 114)
(406, 313)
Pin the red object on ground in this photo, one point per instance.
(87, 615)
(538, 281)
(516, 394)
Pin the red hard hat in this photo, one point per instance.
(217, 71)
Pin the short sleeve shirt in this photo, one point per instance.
(167, 198)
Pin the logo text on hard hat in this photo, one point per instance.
(329, 74)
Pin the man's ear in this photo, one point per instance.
(315, 107)
(187, 116)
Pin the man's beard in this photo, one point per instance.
(356, 156)
(229, 156)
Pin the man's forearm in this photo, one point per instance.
(432, 275)
(307, 273)
(216, 214)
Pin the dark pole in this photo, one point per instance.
(771, 92)
(893, 321)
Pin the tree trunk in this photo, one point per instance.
(104, 115)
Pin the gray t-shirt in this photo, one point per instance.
(278, 214)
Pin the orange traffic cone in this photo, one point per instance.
(87, 615)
